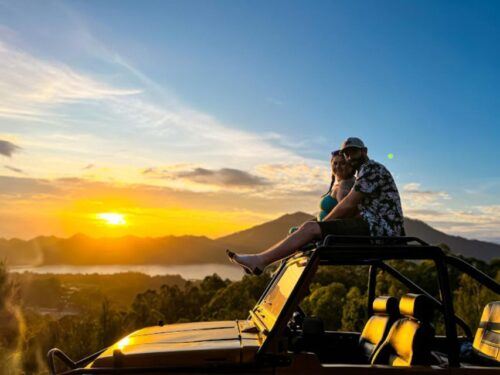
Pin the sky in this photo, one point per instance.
(207, 117)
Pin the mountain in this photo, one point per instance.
(469, 248)
(264, 235)
(84, 250)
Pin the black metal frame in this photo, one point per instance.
(345, 250)
(373, 251)
(289, 307)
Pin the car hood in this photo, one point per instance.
(184, 345)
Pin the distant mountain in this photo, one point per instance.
(469, 248)
(84, 250)
(264, 235)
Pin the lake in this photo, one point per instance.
(187, 271)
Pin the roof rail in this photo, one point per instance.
(333, 239)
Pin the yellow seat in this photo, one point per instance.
(487, 340)
(409, 340)
(385, 312)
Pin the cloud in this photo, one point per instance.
(266, 180)
(148, 119)
(439, 209)
(8, 148)
(414, 197)
(475, 222)
(64, 206)
(25, 187)
(89, 166)
(50, 82)
(423, 212)
(296, 179)
(13, 169)
(32, 87)
(223, 177)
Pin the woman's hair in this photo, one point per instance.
(332, 182)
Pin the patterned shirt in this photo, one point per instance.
(381, 205)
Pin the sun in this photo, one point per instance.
(112, 218)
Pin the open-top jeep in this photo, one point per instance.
(278, 338)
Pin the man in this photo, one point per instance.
(374, 193)
(372, 207)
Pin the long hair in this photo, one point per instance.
(332, 182)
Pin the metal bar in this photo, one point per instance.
(379, 252)
(55, 352)
(478, 275)
(163, 370)
(333, 239)
(449, 313)
(372, 281)
(416, 288)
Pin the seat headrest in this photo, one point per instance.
(487, 339)
(385, 305)
(417, 306)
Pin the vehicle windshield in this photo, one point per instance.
(267, 312)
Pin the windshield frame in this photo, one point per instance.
(298, 291)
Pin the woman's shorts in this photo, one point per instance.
(345, 227)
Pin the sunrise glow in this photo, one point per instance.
(112, 218)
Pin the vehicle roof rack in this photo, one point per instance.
(367, 249)
(333, 239)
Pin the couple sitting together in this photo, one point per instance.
(363, 200)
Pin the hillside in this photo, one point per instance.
(264, 235)
(459, 245)
(85, 250)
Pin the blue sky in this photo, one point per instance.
(248, 85)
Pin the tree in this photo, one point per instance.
(470, 300)
(12, 327)
(326, 302)
(109, 325)
(354, 314)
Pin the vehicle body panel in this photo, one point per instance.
(187, 344)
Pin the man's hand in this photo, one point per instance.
(347, 207)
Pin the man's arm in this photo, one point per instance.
(347, 207)
(344, 188)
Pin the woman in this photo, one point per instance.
(341, 184)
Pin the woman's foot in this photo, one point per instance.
(250, 263)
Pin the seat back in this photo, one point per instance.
(385, 312)
(487, 340)
(409, 340)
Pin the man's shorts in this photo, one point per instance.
(345, 227)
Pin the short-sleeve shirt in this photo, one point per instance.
(381, 205)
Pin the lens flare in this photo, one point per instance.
(390, 155)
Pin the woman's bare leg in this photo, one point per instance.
(307, 232)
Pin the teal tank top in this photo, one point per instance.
(326, 204)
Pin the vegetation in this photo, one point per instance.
(83, 313)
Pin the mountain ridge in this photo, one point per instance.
(81, 249)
